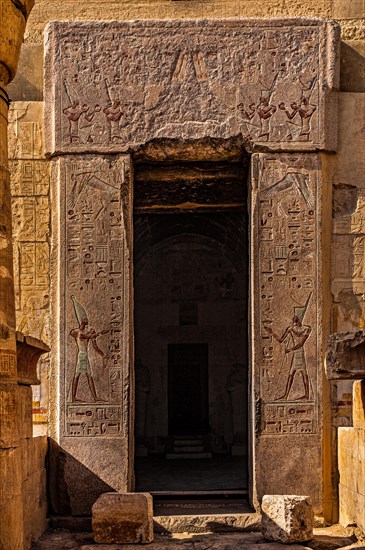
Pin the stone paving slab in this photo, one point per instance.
(331, 538)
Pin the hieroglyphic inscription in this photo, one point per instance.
(287, 265)
(111, 86)
(29, 176)
(8, 363)
(25, 131)
(95, 207)
(31, 231)
(91, 421)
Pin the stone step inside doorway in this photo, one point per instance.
(188, 447)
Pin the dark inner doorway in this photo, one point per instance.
(188, 389)
(191, 272)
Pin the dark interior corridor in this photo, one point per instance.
(191, 340)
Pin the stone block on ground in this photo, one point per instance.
(287, 518)
(123, 518)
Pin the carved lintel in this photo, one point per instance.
(345, 356)
(113, 87)
(29, 350)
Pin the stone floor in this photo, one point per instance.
(220, 473)
(332, 538)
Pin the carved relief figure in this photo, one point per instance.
(89, 116)
(113, 113)
(294, 338)
(247, 116)
(73, 112)
(83, 336)
(181, 68)
(292, 180)
(265, 111)
(304, 109)
(82, 179)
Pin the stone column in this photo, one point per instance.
(13, 16)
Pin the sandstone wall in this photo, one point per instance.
(351, 463)
(29, 179)
(33, 451)
(348, 230)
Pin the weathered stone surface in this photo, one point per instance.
(330, 542)
(191, 80)
(11, 37)
(29, 350)
(202, 523)
(55, 540)
(25, 131)
(46, 10)
(345, 356)
(353, 66)
(358, 405)
(92, 300)
(286, 259)
(189, 185)
(34, 488)
(351, 463)
(334, 536)
(25, 411)
(348, 243)
(10, 417)
(28, 82)
(30, 179)
(126, 518)
(11, 499)
(7, 305)
(287, 518)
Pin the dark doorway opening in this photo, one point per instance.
(188, 389)
(191, 323)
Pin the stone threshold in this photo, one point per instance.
(202, 523)
(193, 523)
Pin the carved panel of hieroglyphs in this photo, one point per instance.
(95, 199)
(287, 355)
(29, 178)
(113, 86)
(25, 130)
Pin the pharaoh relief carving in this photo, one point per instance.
(114, 86)
(288, 210)
(95, 262)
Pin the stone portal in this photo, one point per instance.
(188, 90)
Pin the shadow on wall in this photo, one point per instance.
(352, 69)
(64, 469)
